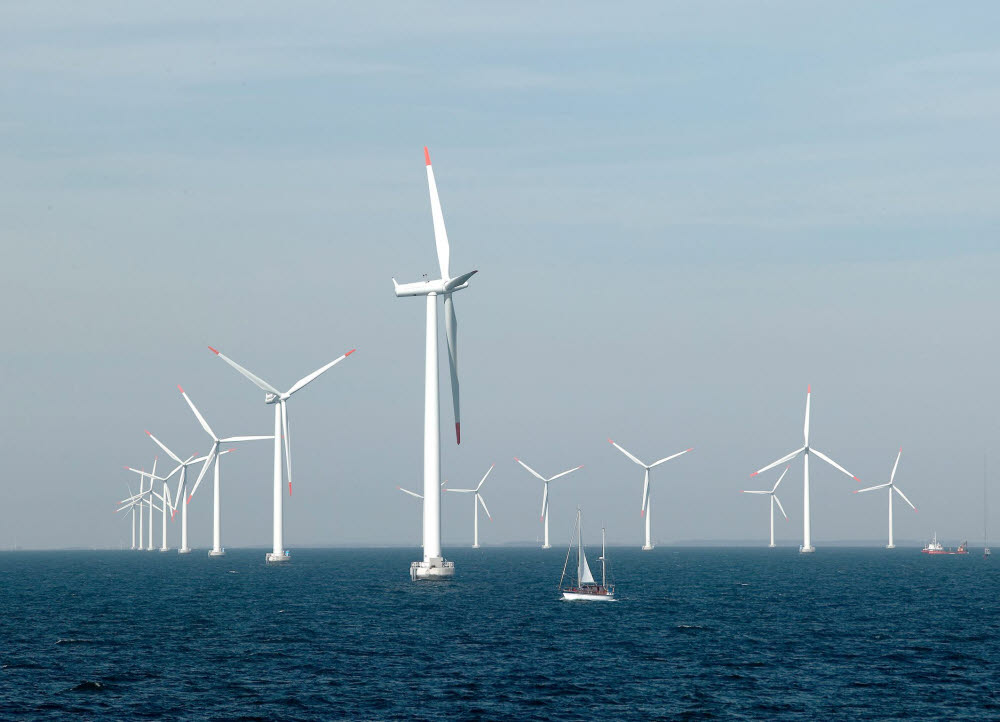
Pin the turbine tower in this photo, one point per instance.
(278, 400)
(892, 487)
(774, 499)
(545, 494)
(645, 511)
(214, 454)
(476, 501)
(433, 565)
(806, 450)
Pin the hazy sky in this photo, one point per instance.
(682, 214)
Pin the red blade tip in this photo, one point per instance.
(350, 352)
(753, 475)
(458, 433)
(215, 351)
(148, 434)
(190, 497)
(809, 389)
(857, 479)
(427, 155)
(180, 389)
(289, 488)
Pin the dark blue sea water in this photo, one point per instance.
(344, 634)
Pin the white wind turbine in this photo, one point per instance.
(214, 454)
(476, 501)
(165, 500)
(545, 494)
(181, 494)
(806, 450)
(645, 511)
(774, 499)
(278, 400)
(892, 487)
(433, 565)
(129, 501)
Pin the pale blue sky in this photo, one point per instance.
(682, 214)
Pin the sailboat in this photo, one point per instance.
(986, 537)
(586, 588)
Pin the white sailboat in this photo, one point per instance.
(586, 588)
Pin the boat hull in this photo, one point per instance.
(587, 597)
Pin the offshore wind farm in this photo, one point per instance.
(664, 224)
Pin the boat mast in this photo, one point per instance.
(604, 582)
(579, 546)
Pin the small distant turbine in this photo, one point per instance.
(644, 511)
(774, 500)
(806, 450)
(892, 487)
(545, 494)
(476, 501)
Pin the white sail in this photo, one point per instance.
(584, 571)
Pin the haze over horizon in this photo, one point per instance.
(681, 217)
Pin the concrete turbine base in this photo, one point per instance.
(183, 551)
(806, 550)
(647, 547)
(216, 552)
(164, 549)
(434, 569)
(273, 558)
(890, 546)
(546, 546)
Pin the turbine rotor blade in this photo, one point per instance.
(288, 444)
(545, 500)
(904, 498)
(440, 234)
(236, 439)
(169, 453)
(775, 497)
(201, 419)
(306, 380)
(805, 427)
(645, 492)
(681, 453)
(780, 478)
(208, 462)
(782, 460)
(893, 474)
(746, 491)
(483, 480)
(411, 493)
(257, 381)
(568, 471)
(871, 488)
(833, 463)
(480, 498)
(451, 336)
(633, 458)
(530, 470)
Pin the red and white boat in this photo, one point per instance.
(934, 547)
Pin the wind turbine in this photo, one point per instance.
(774, 499)
(213, 454)
(131, 508)
(165, 499)
(892, 487)
(181, 494)
(278, 400)
(433, 565)
(545, 494)
(806, 450)
(476, 501)
(645, 511)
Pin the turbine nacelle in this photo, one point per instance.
(438, 287)
(270, 398)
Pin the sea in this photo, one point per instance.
(697, 634)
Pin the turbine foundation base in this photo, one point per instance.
(434, 569)
(273, 558)
(546, 546)
(183, 551)
(647, 547)
(806, 550)
(890, 546)
(216, 552)
(164, 549)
